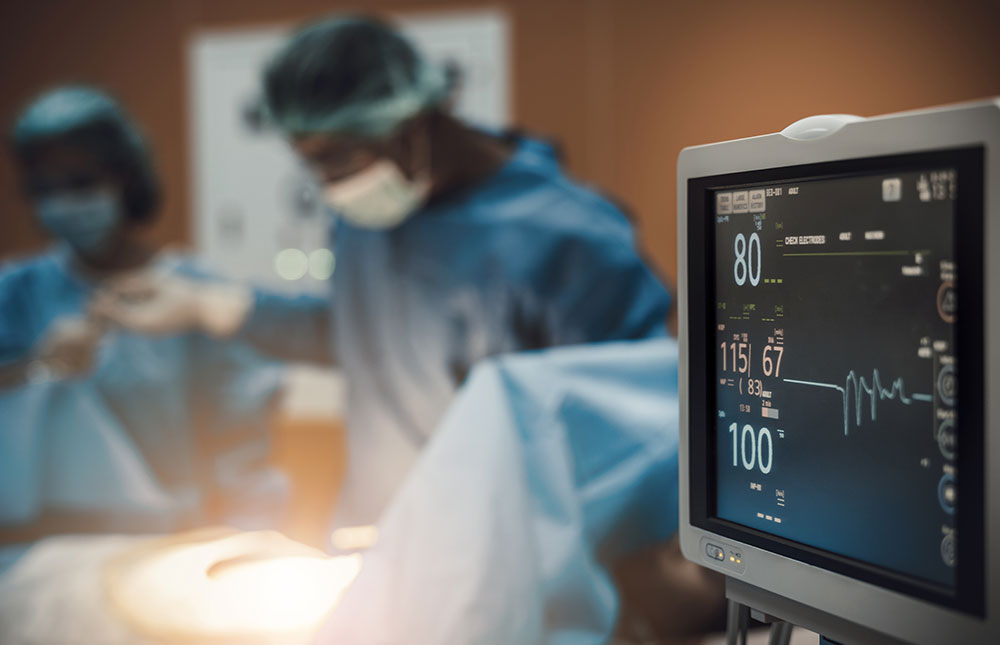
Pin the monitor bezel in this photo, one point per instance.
(968, 595)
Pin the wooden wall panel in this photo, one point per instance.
(623, 84)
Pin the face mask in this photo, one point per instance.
(378, 197)
(84, 221)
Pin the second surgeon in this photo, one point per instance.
(452, 244)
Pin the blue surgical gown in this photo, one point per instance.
(176, 417)
(527, 259)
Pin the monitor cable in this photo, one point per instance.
(737, 623)
(781, 633)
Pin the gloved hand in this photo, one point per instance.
(158, 305)
(67, 348)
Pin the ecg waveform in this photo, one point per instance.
(876, 392)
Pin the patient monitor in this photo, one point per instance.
(840, 373)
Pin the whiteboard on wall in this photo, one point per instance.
(257, 215)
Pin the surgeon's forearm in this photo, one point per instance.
(224, 309)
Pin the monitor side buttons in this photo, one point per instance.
(947, 385)
(947, 493)
(725, 556)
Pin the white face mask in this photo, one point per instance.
(85, 221)
(378, 197)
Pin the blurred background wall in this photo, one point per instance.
(622, 84)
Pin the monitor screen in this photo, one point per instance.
(832, 320)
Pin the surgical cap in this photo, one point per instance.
(350, 75)
(87, 119)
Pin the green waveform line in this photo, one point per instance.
(876, 392)
(829, 253)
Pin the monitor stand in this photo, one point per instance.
(748, 602)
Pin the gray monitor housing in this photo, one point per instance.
(842, 606)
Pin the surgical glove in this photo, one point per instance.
(66, 349)
(159, 305)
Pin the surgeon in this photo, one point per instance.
(98, 419)
(452, 244)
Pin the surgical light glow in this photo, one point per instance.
(355, 538)
(291, 264)
(321, 264)
(258, 584)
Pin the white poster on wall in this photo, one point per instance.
(257, 214)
